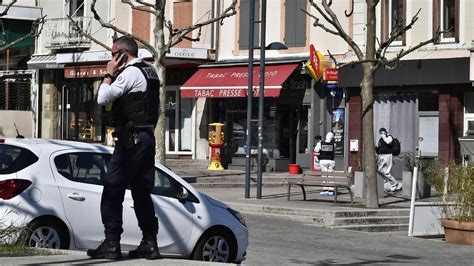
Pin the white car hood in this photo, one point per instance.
(215, 201)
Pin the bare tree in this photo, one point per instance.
(159, 47)
(374, 58)
(36, 28)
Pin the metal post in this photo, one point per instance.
(261, 96)
(249, 97)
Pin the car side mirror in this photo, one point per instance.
(182, 194)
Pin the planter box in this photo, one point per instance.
(359, 185)
(423, 188)
(458, 232)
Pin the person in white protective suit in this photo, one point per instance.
(326, 150)
(384, 161)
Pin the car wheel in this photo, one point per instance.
(47, 234)
(215, 246)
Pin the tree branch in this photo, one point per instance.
(177, 36)
(38, 23)
(397, 31)
(78, 29)
(332, 19)
(320, 25)
(7, 8)
(402, 53)
(140, 8)
(141, 2)
(116, 29)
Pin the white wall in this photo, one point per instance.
(229, 48)
(23, 121)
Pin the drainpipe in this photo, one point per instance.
(218, 26)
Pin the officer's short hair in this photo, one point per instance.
(127, 43)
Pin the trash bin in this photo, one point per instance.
(294, 169)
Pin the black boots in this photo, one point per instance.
(108, 249)
(148, 249)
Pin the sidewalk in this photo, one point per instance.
(276, 194)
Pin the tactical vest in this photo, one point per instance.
(327, 151)
(142, 108)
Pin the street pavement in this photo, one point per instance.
(274, 196)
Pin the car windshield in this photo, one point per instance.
(14, 159)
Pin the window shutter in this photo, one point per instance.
(295, 23)
(244, 24)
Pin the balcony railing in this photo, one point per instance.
(60, 33)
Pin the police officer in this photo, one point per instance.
(326, 150)
(133, 88)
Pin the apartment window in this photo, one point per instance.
(469, 113)
(393, 16)
(446, 17)
(182, 18)
(76, 8)
(295, 23)
(141, 24)
(244, 24)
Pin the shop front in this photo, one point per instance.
(427, 110)
(68, 85)
(285, 130)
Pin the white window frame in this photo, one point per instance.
(390, 13)
(468, 117)
(441, 23)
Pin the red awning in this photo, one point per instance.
(226, 82)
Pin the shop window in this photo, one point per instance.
(244, 24)
(15, 95)
(446, 17)
(428, 102)
(295, 23)
(393, 16)
(469, 113)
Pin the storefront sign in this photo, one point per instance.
(225, 82)
(85, 72)
(316, 64)
(330, 74)
(228, 93)
(337, 127)
(101, 56)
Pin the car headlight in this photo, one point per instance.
(237, 216)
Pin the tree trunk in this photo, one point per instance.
(160, 65)
(160, 154)
(371, 199)
(367, 86)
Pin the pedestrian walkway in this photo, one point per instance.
(229, 186)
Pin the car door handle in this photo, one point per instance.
(76, 196)
(131, 206)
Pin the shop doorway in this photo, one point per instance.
(179, 129)
(303, 150)
(80, 115)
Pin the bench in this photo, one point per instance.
(324, 179)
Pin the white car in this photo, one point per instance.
(54, 188)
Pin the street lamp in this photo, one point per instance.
(261, 94)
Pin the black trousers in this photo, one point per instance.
(134, 168)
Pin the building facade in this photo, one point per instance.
(17, 97)
(427, 101)
(70, 68)
(296, 107)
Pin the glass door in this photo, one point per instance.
(80, 114)
(179, 132)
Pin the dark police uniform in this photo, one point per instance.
(135, 111)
